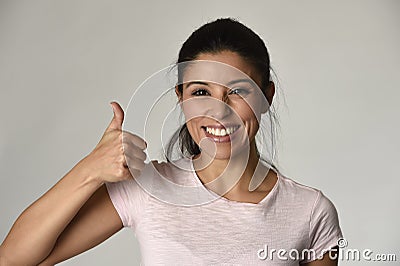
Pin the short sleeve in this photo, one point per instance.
(128, 199)
(325, 230)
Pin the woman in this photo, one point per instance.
(101, 194)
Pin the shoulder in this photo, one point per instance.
(310, 198)
(294, 190)
(317, 209)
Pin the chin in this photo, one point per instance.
(224, 153)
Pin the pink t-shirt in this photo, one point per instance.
(294, 218)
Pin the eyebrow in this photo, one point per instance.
(196, 82)
(230, 83)
(252, 82)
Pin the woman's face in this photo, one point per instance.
(222, 103)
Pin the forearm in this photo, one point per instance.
(36, 230)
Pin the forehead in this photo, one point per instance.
(222, 67)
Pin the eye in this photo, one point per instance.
(200, 92)
(239, 91)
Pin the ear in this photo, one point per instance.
(178, 94)
(269, 93)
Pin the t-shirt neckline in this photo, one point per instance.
(221, 198)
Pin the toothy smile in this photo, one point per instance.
(220, 131)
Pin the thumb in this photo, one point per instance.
(116, 122)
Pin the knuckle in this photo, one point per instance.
(120, 172)
(126, 146)
(121, 158)
(142, 144)
(120, 148)
(143, 156)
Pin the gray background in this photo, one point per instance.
(62, 62)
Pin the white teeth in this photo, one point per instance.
(221, 132)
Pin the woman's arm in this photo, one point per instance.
(35, 232)
(94, 223)
(76, 213)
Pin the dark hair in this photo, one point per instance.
(224, 34)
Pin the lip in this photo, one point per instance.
(221, 126)
(221, 139)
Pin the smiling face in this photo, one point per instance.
(222, 103)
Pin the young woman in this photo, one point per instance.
(101, 194)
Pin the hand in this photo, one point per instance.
(117, 149)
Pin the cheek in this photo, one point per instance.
(248, 111)
(250, 122)
(249, 119)
(194, 107)
(193, 127)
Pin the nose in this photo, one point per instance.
(219, 104)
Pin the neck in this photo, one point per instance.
(232, 173)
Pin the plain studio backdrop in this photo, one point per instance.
(62, 62)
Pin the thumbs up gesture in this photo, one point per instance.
(117, 149)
